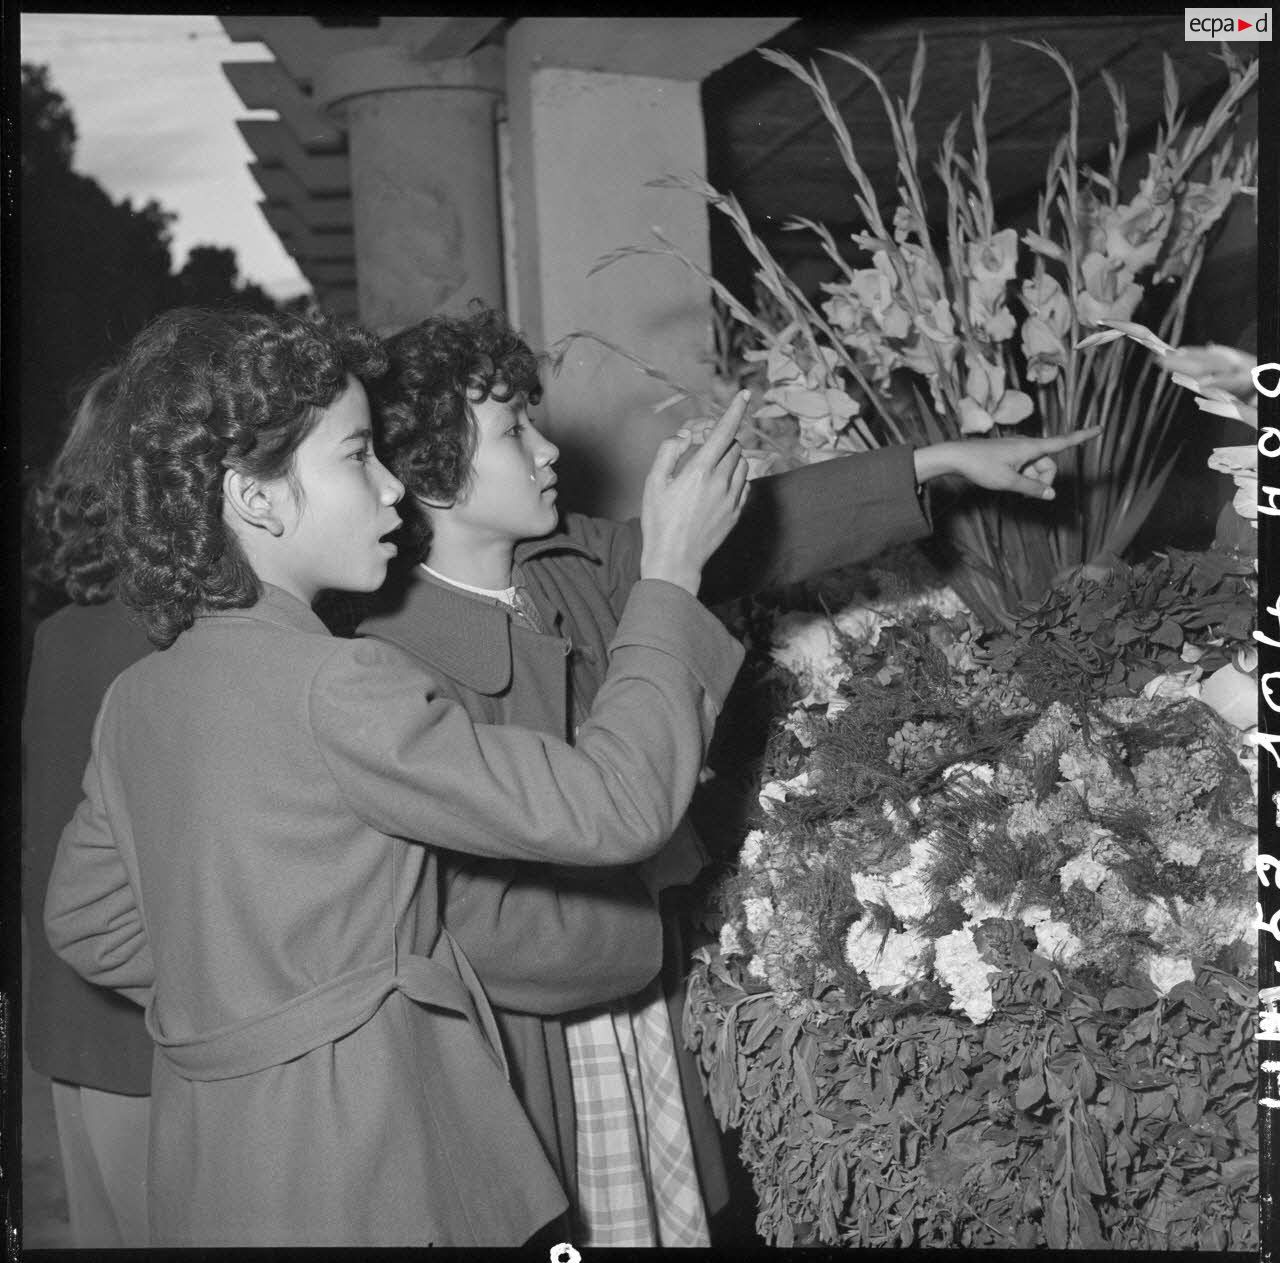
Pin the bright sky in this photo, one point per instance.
(155, 118)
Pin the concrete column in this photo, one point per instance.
(424, 179)
(596, 109)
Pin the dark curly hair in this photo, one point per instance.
(435, 369)
(72, 547)
(207, 391)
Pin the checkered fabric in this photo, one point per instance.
(637, 1185)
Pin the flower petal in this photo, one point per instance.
(1014, 407)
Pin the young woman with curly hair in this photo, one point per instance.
(512, 609)
(89, 1041)
(326, 1069)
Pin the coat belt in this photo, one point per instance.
(322, 1015)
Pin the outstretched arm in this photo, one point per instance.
(1016, 463)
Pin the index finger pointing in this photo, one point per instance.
(722, 435)
(1061, 442)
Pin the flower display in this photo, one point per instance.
(1076, 828)
(985, 970)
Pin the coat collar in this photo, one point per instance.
(465, 636)
(275, 605)
(558, 541)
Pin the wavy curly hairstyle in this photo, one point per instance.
(436, 369)
(72, 545)
(207, 391)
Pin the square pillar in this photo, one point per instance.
(589, 126)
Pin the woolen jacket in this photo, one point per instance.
(237, 866)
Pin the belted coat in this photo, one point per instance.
(326, 1068)
(545, 940)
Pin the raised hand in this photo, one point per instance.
(1016, 463)
(689, 508)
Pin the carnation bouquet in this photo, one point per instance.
(942, 322)
(985, 968)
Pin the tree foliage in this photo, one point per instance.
(94, 270)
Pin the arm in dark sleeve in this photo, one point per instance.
(798, 524)
(550, 939)
(90, 914)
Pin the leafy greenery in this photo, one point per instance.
(1108, 633)
(1067, 1121)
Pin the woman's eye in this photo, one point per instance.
(516, 430)
(362, 455)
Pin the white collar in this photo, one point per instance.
(506, 595)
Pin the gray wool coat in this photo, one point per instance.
(327, 1072)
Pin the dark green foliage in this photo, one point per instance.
(1108, 636)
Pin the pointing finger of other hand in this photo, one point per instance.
(720, 438)
(1061, 442)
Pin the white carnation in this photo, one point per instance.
(904, 891)
(778, 791)
(759, 914)
(751, 846)
(860, 622)
(1057, 942)
(1082, 870)
(890, 961)
(1174, 686)
(806, 645)
(1167, 971)
(730, 940)
(983, 772)
(960, 966)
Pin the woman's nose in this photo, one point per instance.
(549, 453)
(392, 488)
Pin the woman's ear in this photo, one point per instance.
(253, 502)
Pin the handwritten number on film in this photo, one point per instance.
(1268, 446)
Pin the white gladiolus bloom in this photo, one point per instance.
(959, 964)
